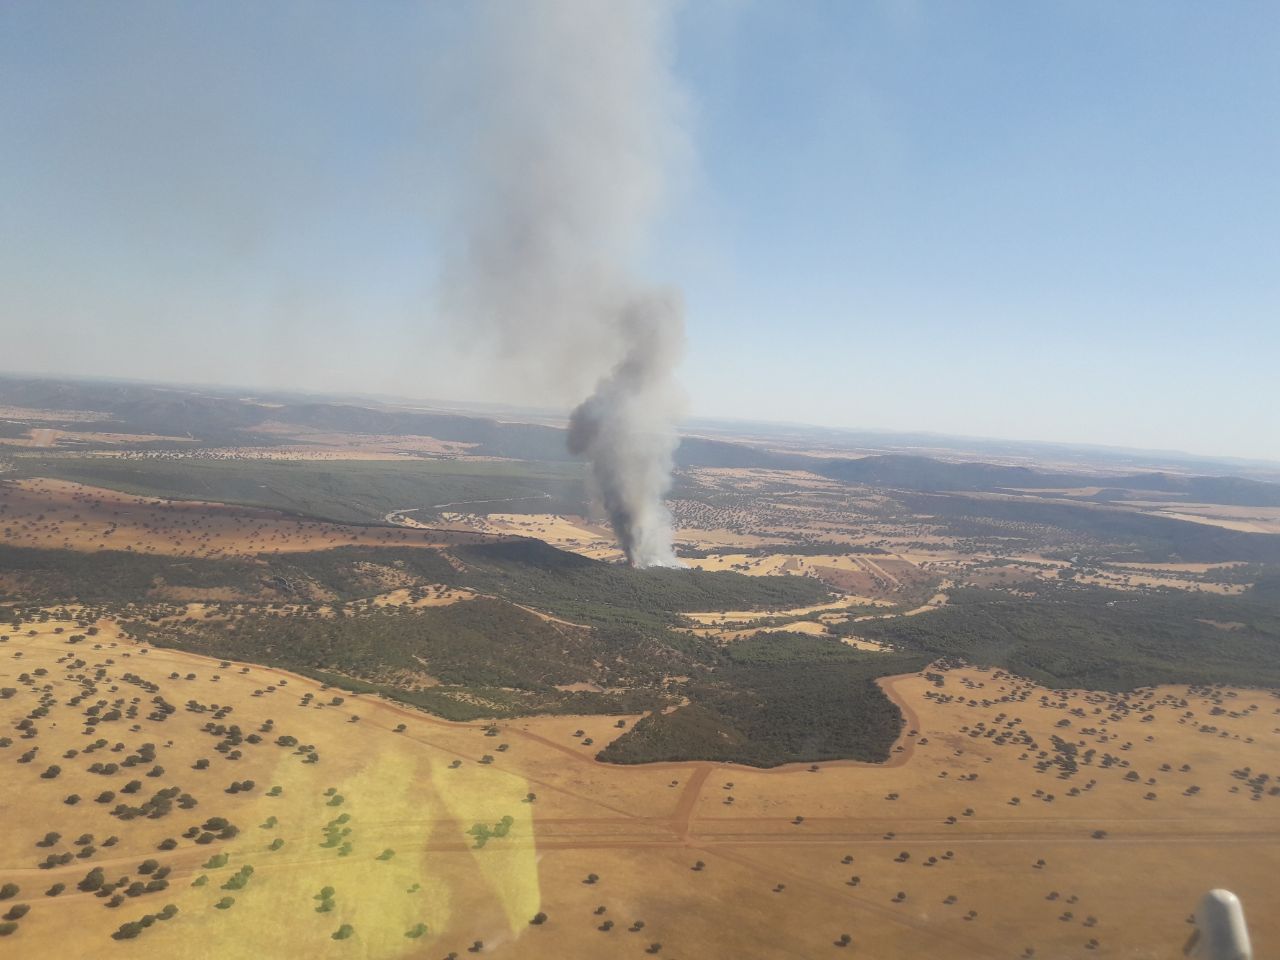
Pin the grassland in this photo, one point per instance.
(871, 716)
(1068, 822)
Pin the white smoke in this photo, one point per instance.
(573, 127)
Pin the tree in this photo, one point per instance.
(93, 880)
(127, 930)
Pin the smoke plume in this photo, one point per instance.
(573, 128)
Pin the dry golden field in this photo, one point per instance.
(1010, 820)
(575, 534)
(983, 836)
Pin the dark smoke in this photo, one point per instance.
(625, 429)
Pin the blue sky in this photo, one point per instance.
(1035, 221)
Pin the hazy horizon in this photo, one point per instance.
(691, 425)
(1050, 225)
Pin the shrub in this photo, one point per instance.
(56, 889)
(343, 932)
(225, 903)
(7, 928)
(9, 890)
(17, 911)
(236, 881)
(127, 931)
(92, 880)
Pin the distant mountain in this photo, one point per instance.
(223, 417)
(927, 475)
